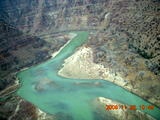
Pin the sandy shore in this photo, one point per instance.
(82, 62)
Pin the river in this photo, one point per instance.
(42, 86)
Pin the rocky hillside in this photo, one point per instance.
(129, 46)
(58, 15)
(137, 19)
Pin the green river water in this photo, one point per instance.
(42, 86)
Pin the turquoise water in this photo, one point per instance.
(53, 94)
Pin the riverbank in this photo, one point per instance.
(82, 62)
